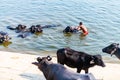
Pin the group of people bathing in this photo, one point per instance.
(24, 31)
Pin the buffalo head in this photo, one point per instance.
(97, 60)
(42, 62)
(68, 29)
(111, 48)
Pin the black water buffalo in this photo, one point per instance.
(23, 28)
(112, 49)
(19, 28)
(54, 71)
(69, 29)
(79, 60)
(24, 31)
(34, 29)
(4, 37)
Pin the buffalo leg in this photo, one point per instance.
(86, 70)
(78, 70)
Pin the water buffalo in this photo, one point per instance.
(24, 31)
(112, 49)
(23, 28)
(34, 29)
(54, 71)
(4, 37)
(79, 60)
(69, 29)
(19, 28)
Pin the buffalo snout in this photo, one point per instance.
(101, 63)
(107, 50)
(98, 60)
(103, 50)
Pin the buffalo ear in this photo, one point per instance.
(35, 63)
(49, 58)
(98, 56)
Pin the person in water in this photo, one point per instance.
(82, 28)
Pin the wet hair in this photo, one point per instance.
(80, 23)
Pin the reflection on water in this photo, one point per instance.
(67, 34)
(38, 34)
(82, 37)
(6, 43)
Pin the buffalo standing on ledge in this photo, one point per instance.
(79, 60)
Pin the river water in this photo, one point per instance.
(101, 17)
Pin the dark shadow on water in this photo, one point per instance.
(38, 33)
(30, 76)
(67, 34)
(70, 34)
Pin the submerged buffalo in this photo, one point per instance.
(4, 37)
(34, 29)
(112, 49)
(79, 60)
(69, 29)
(54, 71)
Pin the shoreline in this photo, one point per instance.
(17, 66)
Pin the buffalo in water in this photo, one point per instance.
(69, 29)
(34, 29)
(4, 37)
(112, 49)
(54, 71)
(77, 59)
